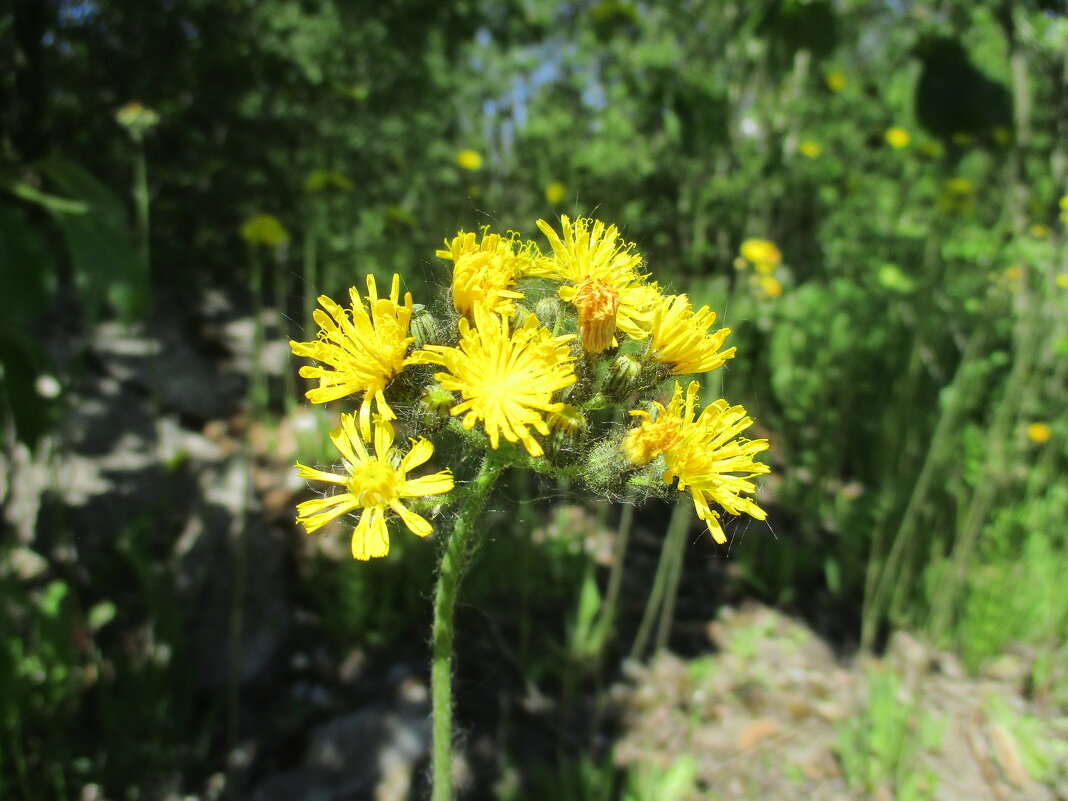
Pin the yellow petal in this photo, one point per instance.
(371, 537)
(421, 451)
(434, 484)
(415, 523)
(318, 475)
(316, 513)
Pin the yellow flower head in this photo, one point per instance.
(769, 287)
(836, 80)
(136, 119)
(1039, 433)
(762, 254)
(555, 192)
(810, 148)
(713, 462)
(655, 433)
(680, 337)
(362, 351)
(264, 229)
(1039, 231)
(506, 379)
(484, 271)
(1064, 209)
(897, 138)
(469, 159)
(601, 280)
(1061, 280)
(373, 483)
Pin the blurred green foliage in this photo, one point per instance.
(915, 330)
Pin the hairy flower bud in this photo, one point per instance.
(567, 434)
(424, 327)
(623, 379)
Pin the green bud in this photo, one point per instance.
(607, 470)
(547, 310)
(434, 406)
(623, 379)
(424, 327)
(567, 435)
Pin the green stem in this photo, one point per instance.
(257, 380)
(140, 195)
(674, 541)
(455, 559)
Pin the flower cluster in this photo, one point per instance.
(765, 259)
(528, 345)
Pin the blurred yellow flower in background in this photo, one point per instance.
(469, 159)
(1064, 209)
(374, 483)
(897, 138)
(1039, 433)
(761, 253)
(1061, 280)
(810, 149)
(136, 119)
(957, 195)
(835, 80)
(770, 287)
(1039, 231)
(555, 192)
(265, 230)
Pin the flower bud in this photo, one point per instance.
(434, 406)
(547, 310)
(623, 379)
(567, 435)
(424, 327)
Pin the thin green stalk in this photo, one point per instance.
(670, 552)
(311, 278)
(455, 559)
(141, 210)
(615, 579)
(257, 380)
(678, 527)
(881, 578)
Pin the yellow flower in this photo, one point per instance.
(136, 119)
(655, 433)
(469, 159)
(602, 280)
(506, 379)
(897, 138)
(712, 461)
(762, 253)
(810, 149)
(680, 337)
(1039, 231)
(770, 287)
(264, 229)
(1064, 209)
(555, 192)
(373, 483)
(957, 195)
(484, 271)
(1039, 433)
(836, 80)
(1061, 280)
(362, 352)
